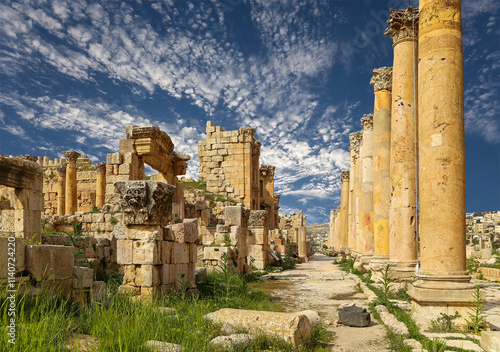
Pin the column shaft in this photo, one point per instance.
(344, 209)
(100, 192)
(61, 189)
(71, 188)
(366, 200)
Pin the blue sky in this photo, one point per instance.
(74, 73)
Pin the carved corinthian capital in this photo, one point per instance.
(71, 155)
(403, 24)
(367, 122)
(146, 202)
(345, 176)
(382, 79)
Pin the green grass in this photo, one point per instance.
(200, 187)
(120, 323)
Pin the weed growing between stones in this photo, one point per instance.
(476, 321)
(444, 323)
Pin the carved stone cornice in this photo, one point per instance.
(257, 218)
(367, 122)
(382, 79)
(146, 202)
(267, 170)
(345, 176)
(403, 25)
(71, 155)
(61, 170)
(100, 168)
(27, 157)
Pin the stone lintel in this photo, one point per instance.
(160, 137)
(19, 173)
(403, 24)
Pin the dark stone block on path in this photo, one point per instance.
(354, 316)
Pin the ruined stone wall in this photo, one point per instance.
(99, 225)
(229, 163)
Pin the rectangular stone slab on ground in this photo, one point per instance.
(291, 327)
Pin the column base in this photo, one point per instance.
(377, 266)
(400, 271)
(436, 295)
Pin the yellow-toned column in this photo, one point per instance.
(403, 28)
(331, 233)
(443, 283)
(302, 243)
(344, 209)
(100, 192)
(366, 199)
(382, 84)
(357, 192)
(71, 196)
(354, 138)
(61, 189)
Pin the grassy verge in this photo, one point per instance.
(200, 187)
(120, 323)
(383, 298)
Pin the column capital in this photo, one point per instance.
(403, 25)
(61, 170)
(367, 122)
(345, 176)
(356, 138)
(71, 155)
(100, 168)
(382, 79)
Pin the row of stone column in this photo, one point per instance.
(378, 215)
(67, 184)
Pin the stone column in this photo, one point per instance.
(366, 199)
(61, 189)
(382, 84)
(353, 191)
(302, 244)
(344, 209)
(100, 191)
(357, 191)
(403, 28)
(443, 283)
(71, 200)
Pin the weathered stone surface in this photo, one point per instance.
(50, 262)
(82, 277)
(124, 251)
(354, 316)
(313, 317)
(146, 252)
(391, 322)
(236, 216)
(289, 326)
(222, 343)
(159, 346)
(17, 255)
(146, 202)
(215, 253)
(490, 341)
(185, 232)
(257, 218)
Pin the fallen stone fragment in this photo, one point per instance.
(291, 327)
(229, 342)
(228, 329)
(160, 346)
(313, 317)
(391, 322)
(354, 316)
(413, 343)
(490, 340)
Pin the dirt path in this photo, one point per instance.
(321, 286)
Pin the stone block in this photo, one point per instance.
(180, 253)
(193, 253)
(124, 251)
(13, 252)
(490, 341)
(166, 277)
(146, 252)
(128, 272)
(288, 326)
(98, 291)
(47, 262)
(185, 232)
(354, 316)
(223, 228)
(122, 232)
(215, 253)
(114, 158)
(234, 216)
(166, 252)
(149, 276)
(82, 277)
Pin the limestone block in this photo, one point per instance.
(98, 217)
(166, 252)
(50, 262)
(288, 326)
(257, 252)
(490, 341)
(180, 253)
(125, 169)
(215, 253)
(128, 274)
(149, 276)
(228, 343)
(98, 291)
(222, 228)
(146, 252)
(130, 290)
(114, 158)
(160, 346)
(82, 277)
(235, 216)
(166, 276)
(14, 249)
(124, 250)
(148, 233)
(185, 232)
(193, 253)
(200, 205)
